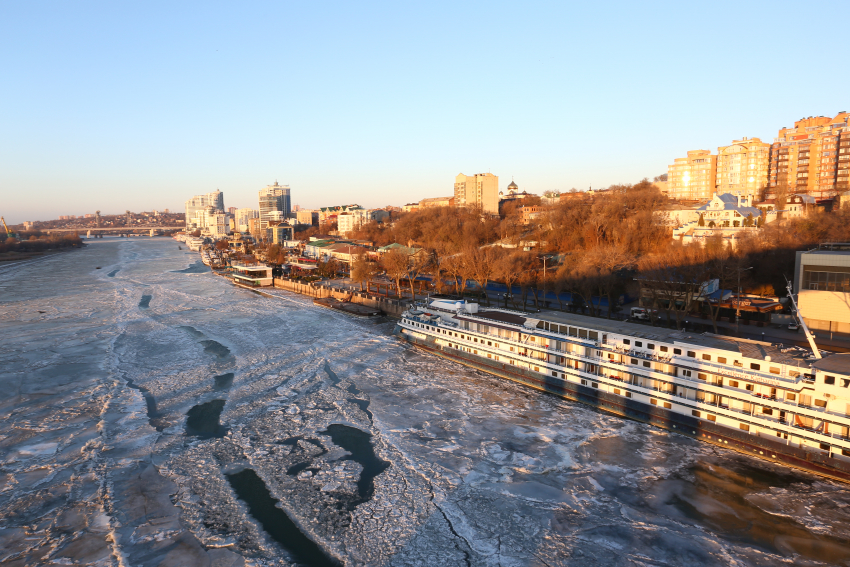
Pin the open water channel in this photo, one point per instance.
(153, 414)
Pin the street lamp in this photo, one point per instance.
(738, 303)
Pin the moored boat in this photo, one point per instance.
(751, 396)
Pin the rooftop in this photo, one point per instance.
(838, 363)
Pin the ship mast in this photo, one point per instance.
(800, 320)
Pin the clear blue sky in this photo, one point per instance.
(139, 105)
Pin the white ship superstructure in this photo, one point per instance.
(748, 395)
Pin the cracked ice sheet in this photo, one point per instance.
(482, 472)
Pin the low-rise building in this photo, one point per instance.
(254, 225)
(252, 274)
(436, 202)
(350, 221)
(677, 215)
(327, 215)
(795, 206)
(822, 283)
(279, 233)
(412, 253)
(727, 215)
(308, 217)
(530, 213)
(344, 252)
(317, 248)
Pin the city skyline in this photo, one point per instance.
(154, 103)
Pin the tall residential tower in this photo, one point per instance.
(200, 203)
(481, 189)
(274, 198)
(742, 167)
(692, 178)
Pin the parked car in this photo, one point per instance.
(793, 326)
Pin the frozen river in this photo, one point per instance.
(153, 414)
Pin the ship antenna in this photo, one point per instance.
(800, 320)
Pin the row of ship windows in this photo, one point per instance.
(705, 356)
(804, 399)
(593, 335)
(805, 422)
(830, 380)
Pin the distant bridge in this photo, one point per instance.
(123, 229)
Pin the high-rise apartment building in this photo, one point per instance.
(481, 189)
(793, 158)
(833, 168)
(742, 167)
(274, 198)
(199, 203)
(807, 158)
(241, 218)
(692, 178)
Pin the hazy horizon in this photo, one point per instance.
(139, 107)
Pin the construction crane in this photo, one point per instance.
(9, 233)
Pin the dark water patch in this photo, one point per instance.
(192, 331)
(298, 467)
(359, 444)
(331, 374)
(216, 349)
(154, 415)
(223, 381)
(251, 489)
(113, 272)
(203, 420)
(362, 404)
(353, 390)
(196, 267)
(145, 301)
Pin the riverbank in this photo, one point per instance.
(389, 307)
(14, 256)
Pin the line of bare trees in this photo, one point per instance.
(596, 248)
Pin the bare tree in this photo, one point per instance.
(363, 269)
(418, 264)
(676, 280)
(559, 284)
(396, 264)
(438, 268)
(528, 279)
(482, 262)
(606, 264)
(508, 269)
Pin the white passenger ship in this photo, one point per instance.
(747, 395)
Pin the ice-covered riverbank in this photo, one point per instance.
(154, 414)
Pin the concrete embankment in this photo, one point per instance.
(392, 307)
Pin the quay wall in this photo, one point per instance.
(391, 307)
